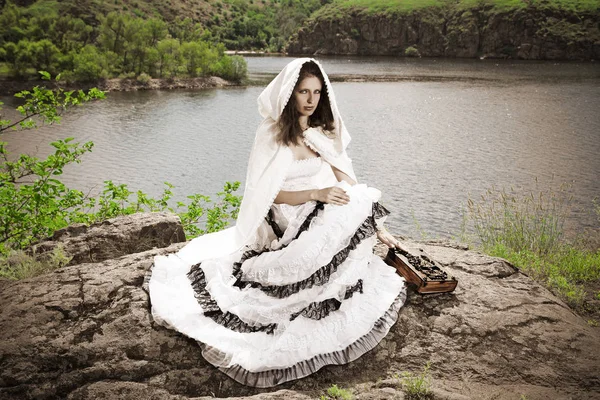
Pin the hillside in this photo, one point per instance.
(239, 24)
(533, 29)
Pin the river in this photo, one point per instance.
(428, 133)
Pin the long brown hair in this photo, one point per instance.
(289, 124)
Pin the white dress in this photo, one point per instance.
(311, 293)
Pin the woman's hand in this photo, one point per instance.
(332, 195)
(386, 238)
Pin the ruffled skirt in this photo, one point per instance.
(313, 296)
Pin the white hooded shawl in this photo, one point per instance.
(269, 163)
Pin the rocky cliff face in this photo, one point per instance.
(530, 33)
(86, 332)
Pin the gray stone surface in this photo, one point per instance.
(115, 237)
(86, 332)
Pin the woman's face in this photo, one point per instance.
(307, 95)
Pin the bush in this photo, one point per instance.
(89, 64)
(231, 68)
(127, 75)
(412, 51)
(144, 78)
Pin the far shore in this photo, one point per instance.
(10, 87)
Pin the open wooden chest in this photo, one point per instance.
(420, 270)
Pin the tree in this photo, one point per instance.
(232, 68)
(169, 54)
(89, 64)
(33, 202)
(45, 56)
(199, 57)
(186, 30)
(157, 30)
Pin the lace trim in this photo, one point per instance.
(307, 160)
(321, 309)
(270, 378)
(237, 267)
(271, 221)
(379, 211)
(321, 276)
(211, 308)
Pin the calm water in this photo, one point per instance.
(448, 129)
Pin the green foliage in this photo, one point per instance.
(144, 78)
(341, 7)
(17, 264)
(336, 393)
(89, 64)
(417, 386)
(120, 45)
(529, 221)
(199, 57)
(34, 203)
(46, 104)
(232, 68)
(412, 51)
(527, 230)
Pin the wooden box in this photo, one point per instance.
(420, 270)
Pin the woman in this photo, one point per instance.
(294, 285)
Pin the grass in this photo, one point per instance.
(20, 265)
(340, 7)
(336, 393)
(527, 229)
(417, 386)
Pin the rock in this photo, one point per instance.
(481, 31)
(85, 332)
(115, 237)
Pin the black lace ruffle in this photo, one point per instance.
(211, 308)
(237, 267)
(321, 309)
(271, 221)
(367, 229)
(379, 211)
(322, 275)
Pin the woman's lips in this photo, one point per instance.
(309, 108)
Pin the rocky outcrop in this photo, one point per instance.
(528, 33)
(86, 332)
(114, 237)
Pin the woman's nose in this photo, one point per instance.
(310, 98)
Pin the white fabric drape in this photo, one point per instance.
(268, 165)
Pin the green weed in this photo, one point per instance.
(417, 386)
(527, 230)
(336, 393)
(17, 264)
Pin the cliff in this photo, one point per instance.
(533, 32)
(85, 331)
